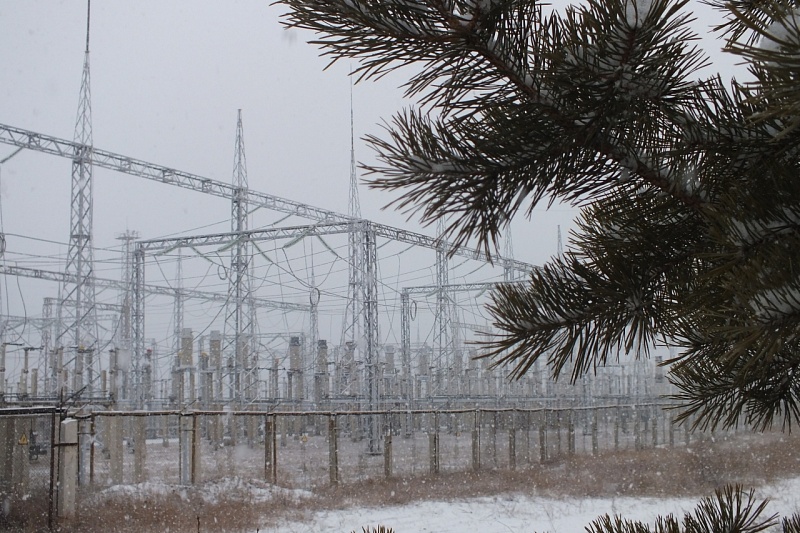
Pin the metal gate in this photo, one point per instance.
(28, 468)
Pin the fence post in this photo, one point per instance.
(560, 420)
(84, 443)
(271, 449)
(68, 468)
(165, 431)
(140, 449)
(671, 432)
(115, 449)
(476, 442)
(637, 431)
(433, 442)
(493, 440)
(408, 424)
(333, 450)
(387, 454)
(617, 416)
(528, 451)
(654, 423)
(543, 436)
(185, 449)
(195, 449)
(595, 443)
(512, 443)
(571, 433)
(93, 435)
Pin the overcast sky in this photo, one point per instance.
(167, 79)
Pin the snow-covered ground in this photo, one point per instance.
(518, 513)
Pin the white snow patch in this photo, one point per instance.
(233, 488)
(515, 512)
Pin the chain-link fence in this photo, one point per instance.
(314, 449)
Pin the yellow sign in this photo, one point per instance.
(23, 440)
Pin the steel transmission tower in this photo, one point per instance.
(509, 273)
(79, 316)
(123, 341)
(443, 342)
(177, 314)
(351, 326)
(238, 319)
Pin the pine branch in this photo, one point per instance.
(594, 84)
(690, 229)
(731, 510)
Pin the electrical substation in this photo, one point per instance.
(296, 309)
(309, 309)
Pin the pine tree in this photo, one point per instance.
(688, 187)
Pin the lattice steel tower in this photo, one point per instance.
(443, 339)
(78, 297)
(351, 326)
(238, 319)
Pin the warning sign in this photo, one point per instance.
(23, 440)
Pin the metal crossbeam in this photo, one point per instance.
(135, 167)
(61, 277)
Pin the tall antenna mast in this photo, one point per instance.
(353, 205)
(351, 330)
(88, 22)
(79, 313)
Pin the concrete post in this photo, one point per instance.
(559, 424)
(115, 449)
(543, 436)
(92, 441)
(671, 432)
(493, 440)
(270, 449)
(387, 455)
(654, 425)
(512, 448)
(476, 442)
(196, 461)
(165, 431)
(433, 451)
(140, 449)
(333, 450)
(68, 469)
(84, 449)
(185, 446)
(571, 433)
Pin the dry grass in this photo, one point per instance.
(696, 470)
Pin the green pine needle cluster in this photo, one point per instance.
(688, 186)
(731, 509)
